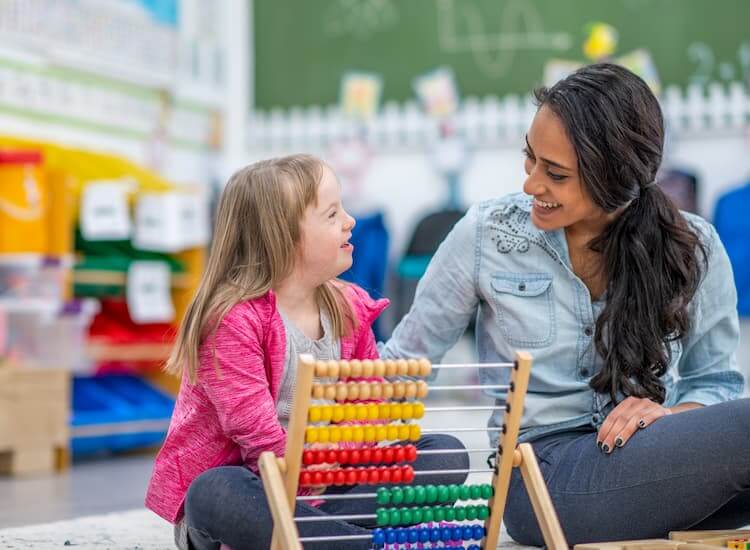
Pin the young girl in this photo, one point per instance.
(268, 294)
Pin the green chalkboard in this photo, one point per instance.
(303, 47)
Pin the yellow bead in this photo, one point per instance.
(399, 390)
(403, 432)
(358, 434)
(364, 391)
(395, 411)
(413, 367)
(314, 414)
(326, 413)
(370, 433)
(311, 434)
(414, 432)
(324, 434)
(333, 369)
(425, 368)
(321, 369)
(376, 391)
(352, 393)
(368, 368)
(346, 433)
(418, 409)
(393, 432)
(402, 367)
(379, 368)
(387, 390)
(356, 365)
(344, 369)
(341, 392)
(381, 433)
(422, 389)
(330, 392)
(410, 390)
(407, 411)
(390, 367)
(318, 391)
(338, 414)
(361, 412)
(334, 434)
(384, 411)
(372, 411)
(350, 412)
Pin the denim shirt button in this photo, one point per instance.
(596, 418)
(584, 372)
(522, 286)
(588, 331)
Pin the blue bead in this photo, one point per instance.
(478, 532)
(435, 534)
(456, 534)
(445, 534)
(424, 535)
(467, 533)
(403, 536)
(474, 547)
(378, 537)
(413, 535)
(390, 536)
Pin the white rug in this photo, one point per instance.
(132, 530)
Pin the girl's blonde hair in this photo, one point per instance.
(256, 234)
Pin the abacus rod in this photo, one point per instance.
(453, 451)
(451, 430)
(467, 471)
(307, 519)
(472, 365)
(336, 538)
(470, 387)
(467, 408)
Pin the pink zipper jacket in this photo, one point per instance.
(229, 417)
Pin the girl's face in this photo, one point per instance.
(560, 198)
(325, 251)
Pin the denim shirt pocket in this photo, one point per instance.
(525, 308)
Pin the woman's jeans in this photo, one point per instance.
(228, 505)
(689, 470)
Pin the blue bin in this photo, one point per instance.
(117, 413)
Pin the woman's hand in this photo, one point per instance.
(628, 417)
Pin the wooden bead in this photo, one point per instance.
(390, 367)
(345, 370)
(379, 368)
(411, 390)
(321, 369)
(402, 367)
(425, 368)
(376, 391)
(352, 393)
(422, 389)
(333, 369)
(318, 391)
(330, 392)
(413, 367)
(356, 366)
(341, 392)
(368, 368)
(364, 391)
(387, 391)
(399, 390)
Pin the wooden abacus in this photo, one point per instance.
(395, 421)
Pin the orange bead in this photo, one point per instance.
(413, 367)
(356, 365)
(376, 391)
(330, 392)
(387, 391)
(390, 367)
(368, 368)
(321, 369)
(352, 391)
(318, 391)
(341, 392)
(379, 368)
(344, 369)
(364, 391)
(399, 390)
(422, 389)
(402, 367)
(333, 369)
(425, 368)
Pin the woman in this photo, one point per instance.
(629, 310)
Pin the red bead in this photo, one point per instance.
(400, 454)
(328, 478)
(411, 453)
(305, 479)
(317, 478)
(351, 477)
(388, 455)
(340, 477)
(343, 456)
(366, 456)
(320, 457)
(362, 475)
(374, 477)
(407, 473)
(308, 458)
(396, 475)
(385, 475)
(355, 457)
(331, 457)
(377, 456)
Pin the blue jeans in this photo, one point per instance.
(228, 504)
(686, 471)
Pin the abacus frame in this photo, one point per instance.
(281, 475)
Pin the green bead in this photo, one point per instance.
(464, 493)
(428, 514)
(460, 513)
(430, 494)
(408, 495)
(416, 515)
(439, 513)
(406, 516)
(483, 512)
(395, 518)
(476, 492)
(420, 494)
(450, 514)
(471, 513)
(443, 493)
(397, 495)
(383, 517)
(384, 496)
(487, 491)
(453, 492)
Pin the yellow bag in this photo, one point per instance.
(23, 203)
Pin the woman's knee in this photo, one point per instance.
(451, 460)
(215, 490)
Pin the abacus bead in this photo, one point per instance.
(379, 368)
(384, 411)
(340, 477)
(321, 369)
(419, 494)
(347, 433)
(413, 365)
(385, 475)
(487, 491)
(456, 533)
(358, 434)
(362, 476)
(392, 432)
(390, 367)
(424, 535)
(464, 493)
(331, 457)
(483, 512)
(402, 367)
(383, 496)
(387, 390)
(410, 390)
(320, 457)
(376, 455)
(431, 494)
(454, 492)
(445, 534)
(415, 431)
(356, 368)
(350, 412)
(403, 536)
(460, 513)
(381, 433)
(326, 413)
(333, 369)
(425, 368)
(371, 410)
(368, 368)
(471, 513)
(338, 412)
(396, 475)
(408, 495)
(305, 479)
(473, 547)
(397, 495)
(374, 477)
(439, 513)
(422, 389)
(342, 455)
(344, 370)
(308, 457)
(403, 431)
(405, 516)
(478, 532)
(352, 393)
(467, 532)
(378, 536)
(317, 478)
(365, 456)
(476, 492)
(376, 391)
(395, 411)
(410, 452)
(370, 434)
(364, 391)
(418, 408)
(443, 494)
(450, 514)
(313, 414)
(416, 515)
(395, 518)
(413, 534)
(311, 434)
(318, 391)
(324, 434)
(428, 514)
(331, 392)
(399, 390)
(355, 457)
(351, 477)
(341, 392)
(400, 454)
(388, 455)
(361, 412)
(407, 411)
(390, 536)
(435, 534)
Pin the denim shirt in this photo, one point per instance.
(519, 281)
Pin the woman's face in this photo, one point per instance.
(560, 198)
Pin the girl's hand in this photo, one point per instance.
(628, 417)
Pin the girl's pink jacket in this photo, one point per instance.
(229, 418)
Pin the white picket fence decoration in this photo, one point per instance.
(485, 122)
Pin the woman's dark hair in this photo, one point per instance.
(650, 256)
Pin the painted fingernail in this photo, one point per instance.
(599, 444)
(642, 423)
(619, 442)
(605, 448)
